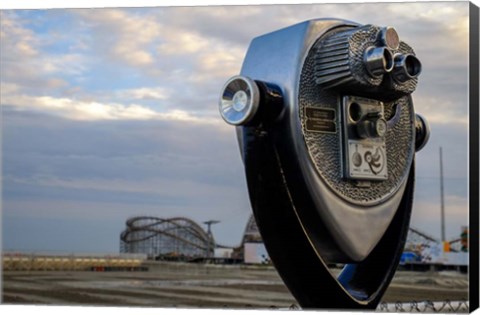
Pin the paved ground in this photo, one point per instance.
(198, 286)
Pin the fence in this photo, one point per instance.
(416, 307)
(19, 262)
(426, 306)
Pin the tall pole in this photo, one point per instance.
(210, 236)
(442, 202)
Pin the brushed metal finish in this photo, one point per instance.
(326, 149)
(356, 228)
(359, 61)
(422, 132)
(234, 111)
(308, 212)
(406, 67)
(378, 60)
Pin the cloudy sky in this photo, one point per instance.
(112, 113)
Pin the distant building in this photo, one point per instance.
(423, 249)
(252, 247)
(251, 234)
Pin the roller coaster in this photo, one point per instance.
(182, 239)
(166, 239)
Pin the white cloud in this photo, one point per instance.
(71, 64)
(152, 41)
(126, 36)
(175, 42)
(168, 187)
(196, 49)
(91, 110)
(28, 63)
(169, 64)
(143, 93)
(186, 54)
(219, 63)
(441, 110)
(17, 41)
(8, 88)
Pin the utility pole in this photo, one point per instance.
(442, 202)
(210, 236)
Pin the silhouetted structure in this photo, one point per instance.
(166, 239)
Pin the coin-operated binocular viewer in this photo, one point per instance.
(328, 134)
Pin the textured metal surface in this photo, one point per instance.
(339, 57)
(354, 231)
(325, 149)
(339, 61)
(239, 100)
(410, 85)
(360, 285)
(307, 214)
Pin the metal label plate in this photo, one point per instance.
(320, 120)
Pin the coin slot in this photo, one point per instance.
(355, 112)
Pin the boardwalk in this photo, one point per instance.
(199, 286)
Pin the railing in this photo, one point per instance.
(413, 307)
(426, 306)
(21, 262)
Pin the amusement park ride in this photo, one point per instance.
(328, 133)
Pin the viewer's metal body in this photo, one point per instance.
(328, 132)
